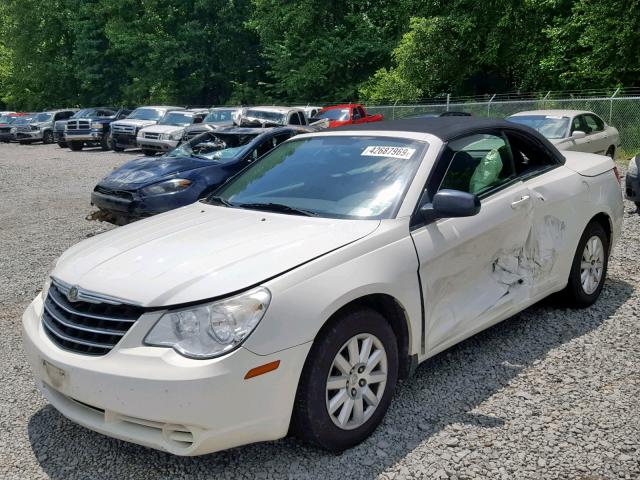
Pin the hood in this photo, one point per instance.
(144, 171)
(136, 123)
(164, 128)
(200, 252)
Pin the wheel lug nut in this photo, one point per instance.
(361, 369)
(353, 392)
(362, 382)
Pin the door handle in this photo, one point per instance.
(519, 203)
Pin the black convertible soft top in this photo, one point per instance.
(448, 128)
(445, 128)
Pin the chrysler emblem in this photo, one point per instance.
(73, 294)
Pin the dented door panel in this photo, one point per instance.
(559, 197)
(475, 269)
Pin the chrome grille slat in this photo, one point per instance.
(53, 296)
(70, 324)
(54, 330)
(86, 327)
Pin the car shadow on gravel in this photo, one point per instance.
(447, 389)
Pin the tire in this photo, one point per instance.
(311, 420)
(47, 137)
(116, 148)
(576, 294)
(63, 144)
(25, 142)
(611, 152)
(105, 143)
(76, 146)
(637, 205)
(149, 153)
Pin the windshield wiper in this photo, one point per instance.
(277, 207)
(221, 201)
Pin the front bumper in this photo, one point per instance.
(154, 397)
(33, 135)
(124, 140)
(82, 136)
(632, 188)
(157, 145)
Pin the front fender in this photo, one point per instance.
(303, 299)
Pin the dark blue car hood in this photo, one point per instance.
(145, 171)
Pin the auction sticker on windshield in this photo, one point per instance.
(392, 152)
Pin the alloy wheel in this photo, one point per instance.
(356, 381)
(591, 266)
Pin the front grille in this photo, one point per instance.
(123, 129)
(83, 326)
(189, 134)
(82, 124)
(114, 193)
(5, 129)
(151, 135)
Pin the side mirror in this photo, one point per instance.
(449, 204)
(578, 134)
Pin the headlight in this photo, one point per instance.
(140, 134)
(13, 130)
(174, 136)
(633, 167)
(168, 186)
(97, 126)
(212, 329)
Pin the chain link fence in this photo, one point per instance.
(619, 108)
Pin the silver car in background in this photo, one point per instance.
(576, 130)
(216, 118)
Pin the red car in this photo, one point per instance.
(346, 114)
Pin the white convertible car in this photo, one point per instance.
(576, 130)
(295, 297)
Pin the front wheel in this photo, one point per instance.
(115, 147)
(347, 382)
(62, 144)
(76, 146)
(105, 143)
(47, 137)
(149, 153)
(589, 268)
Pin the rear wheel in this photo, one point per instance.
(347, 382)
(76, 146)
(47, 137)
(149, 153)
(62, 144)
(611, 152)
(589, 268)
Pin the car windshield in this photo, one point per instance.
(332, 176)
(338, 114)
(22, 120)
(42, 117)
(84, 113)
(177, 118)
(146, 114)
(217, 147)
(273, 117)
(551, 126)
(216, 116)
(8, 119)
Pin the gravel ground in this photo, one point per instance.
(547, 394)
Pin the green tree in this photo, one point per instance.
(324, 49)
(596, 46)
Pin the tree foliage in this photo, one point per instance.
(203, 52)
